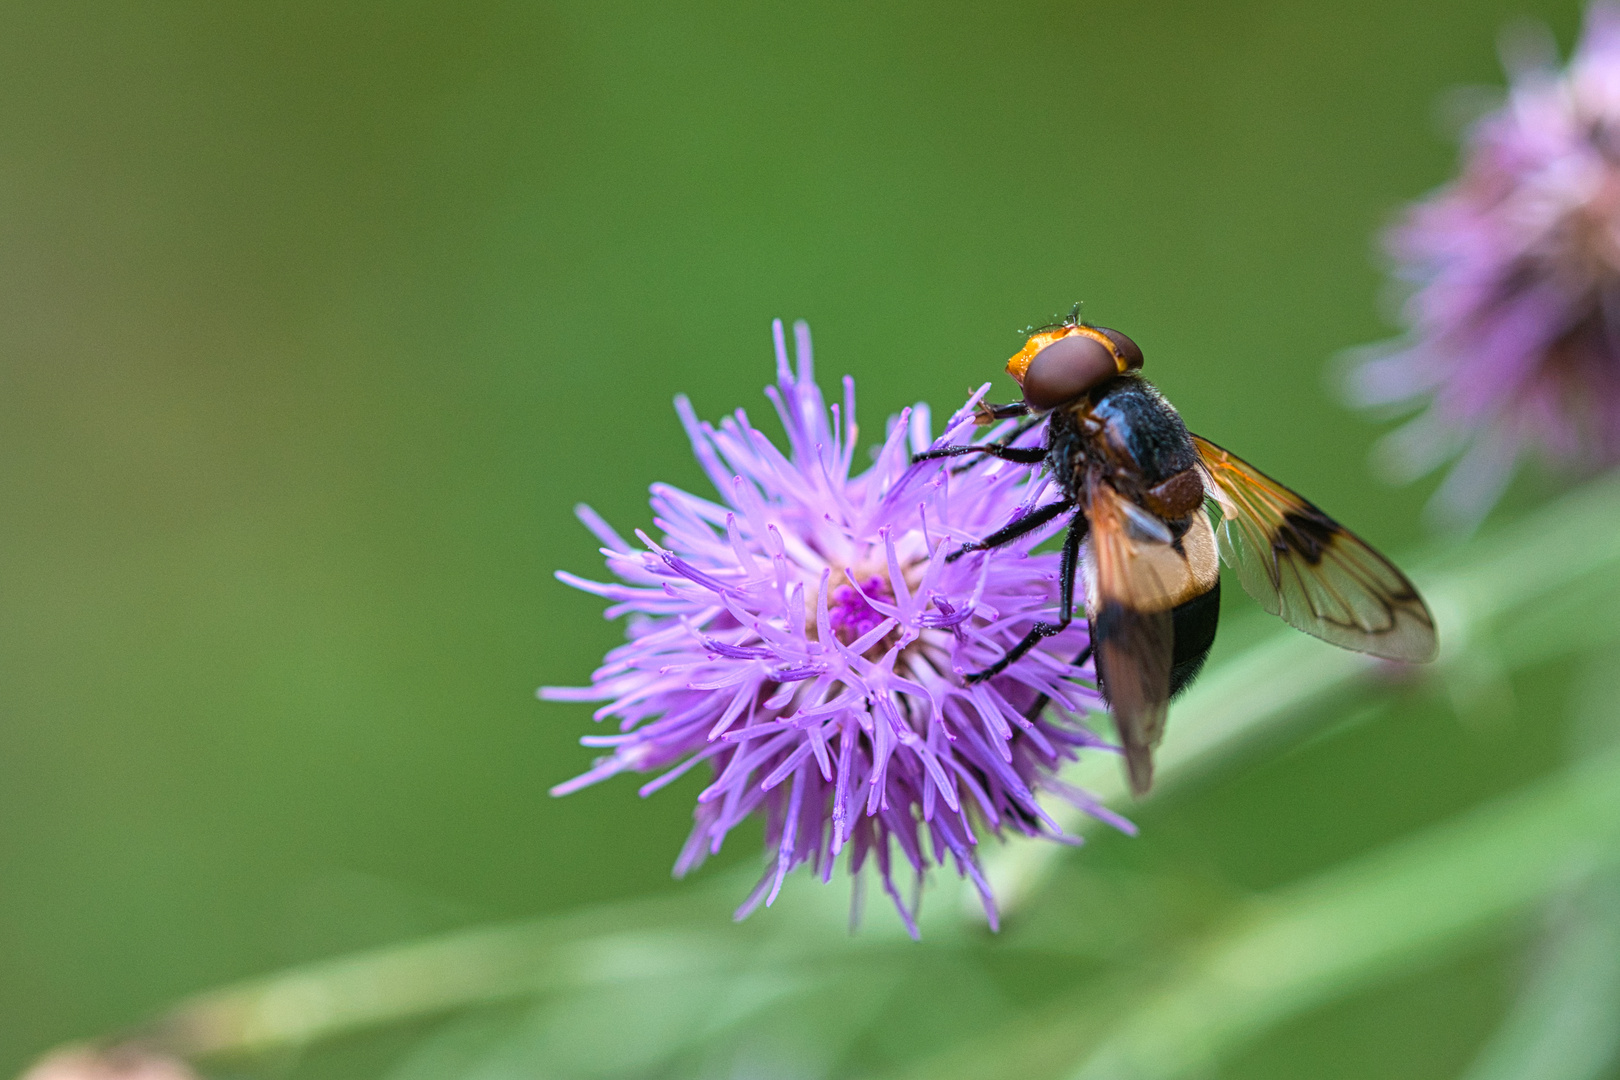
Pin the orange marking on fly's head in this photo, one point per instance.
(1018, 365)
(1020, 360)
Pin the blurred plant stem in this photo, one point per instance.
(1566, 1023)
(1279, 955)
(655, 939)
(1392, 910)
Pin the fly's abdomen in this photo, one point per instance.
(1193, 622)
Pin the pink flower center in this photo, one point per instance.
(849, 612)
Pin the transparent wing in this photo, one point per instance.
(1131, 629)
(1309, 570)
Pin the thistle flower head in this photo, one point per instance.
(804, 637)
(1514, 323)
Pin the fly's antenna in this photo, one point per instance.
(1060, 322)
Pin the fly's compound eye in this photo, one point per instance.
(1068, 368)
(1128, 352)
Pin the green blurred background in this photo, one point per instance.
(316, 320)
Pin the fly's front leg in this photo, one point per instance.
(985, 414)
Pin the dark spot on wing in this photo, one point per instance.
(1307, 532)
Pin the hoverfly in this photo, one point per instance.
(1146, 491)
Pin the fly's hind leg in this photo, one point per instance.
(985, 414)
(1042, 630)
(1043, 700)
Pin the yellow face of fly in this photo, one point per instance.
(1019, 364)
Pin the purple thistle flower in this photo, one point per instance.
(805, 637)
(1514, 323)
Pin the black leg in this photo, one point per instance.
(1021, 429)
(1023, 455)
(1041, 630)
(1041, 702)
(1010, 532)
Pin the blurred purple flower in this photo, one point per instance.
(1514, 323)
(805, 637)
